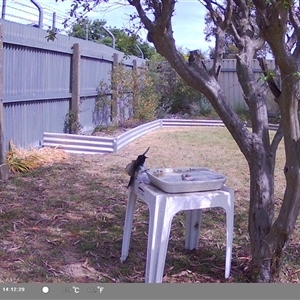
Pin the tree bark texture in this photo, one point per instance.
(248, 30)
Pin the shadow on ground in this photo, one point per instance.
(64, 223)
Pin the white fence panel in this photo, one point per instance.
(99, 145)
(186, 122)
(135, 133)
(83, 144)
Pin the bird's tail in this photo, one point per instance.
(130, 181)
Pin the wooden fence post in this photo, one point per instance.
(4, 172)
(114, 102)
(135, 87)
(75, 89)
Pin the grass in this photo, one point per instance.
(63, 222)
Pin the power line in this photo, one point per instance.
(19, 12)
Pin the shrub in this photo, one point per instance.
(133, 93)
(72, 124)
(175, 96)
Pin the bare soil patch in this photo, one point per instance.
(63, 222)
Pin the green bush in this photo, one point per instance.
(175, 96)
(130, 88)
(72, 124)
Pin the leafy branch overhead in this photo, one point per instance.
(127, 41)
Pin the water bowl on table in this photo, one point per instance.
(186, 180)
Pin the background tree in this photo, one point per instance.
(89, 29)
(230, 48)
(250, 25)
(176, 96)
(229, 52)
(126, 41)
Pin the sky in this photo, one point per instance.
(188, 20)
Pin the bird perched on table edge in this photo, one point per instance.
(133, 167)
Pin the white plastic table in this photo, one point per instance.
(162, 208)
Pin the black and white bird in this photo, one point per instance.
(135, 166)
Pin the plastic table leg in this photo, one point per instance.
(160, 221)
(229, 233)
(128, 224)
(192, 228)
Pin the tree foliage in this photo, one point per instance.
(88, 29)
(125, 40)
(176, 96)
(230, 48)
(131, 88)
(229, 52)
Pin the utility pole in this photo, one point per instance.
(3, 167)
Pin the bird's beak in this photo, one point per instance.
(146, 151)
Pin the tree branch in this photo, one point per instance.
(270, 80)
(276, 92)
(294, 18)
(236, 35)
(141, 12)
(295, 21)
(227, 15)
(222, 19)
(272, 19)
(291, 41)
(164, 20)
(276, 139)
(162, 12)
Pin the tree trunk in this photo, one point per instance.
(268, 241)
(261, 211)
(267, 260)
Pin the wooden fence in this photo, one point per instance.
(43, 81)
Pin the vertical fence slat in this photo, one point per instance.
(74, 109)
(135, 74)
(3, 167)
(114, 106)
(2, 156)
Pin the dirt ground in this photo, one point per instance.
(64, 222)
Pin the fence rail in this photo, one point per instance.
(185, 122)
(79, 144)
(100, 145)
(135, 133)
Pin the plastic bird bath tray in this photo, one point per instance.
(186, 180)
